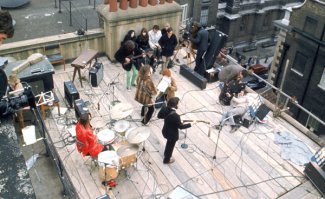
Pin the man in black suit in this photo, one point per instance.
(172, 122)
(200, 38)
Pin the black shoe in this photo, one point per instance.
(172, 160)
(234, 128)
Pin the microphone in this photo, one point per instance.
(113, 83)
(98, 106)
(209, 132)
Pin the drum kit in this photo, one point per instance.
(125, 152)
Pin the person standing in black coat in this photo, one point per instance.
(168, 42)
(172, 122)
(200, 38)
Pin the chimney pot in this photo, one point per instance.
(143, 3)
(152, 2)
(133, 3)
(161, 1)
(169, 1)
(123, 4)
(113, 5)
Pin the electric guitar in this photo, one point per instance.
(206, 122)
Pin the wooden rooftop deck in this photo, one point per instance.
(247, 164)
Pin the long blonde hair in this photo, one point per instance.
(144, 72)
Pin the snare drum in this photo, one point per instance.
(121, 127)
(106, 137)
(108, 162)
(127, 154)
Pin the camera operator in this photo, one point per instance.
(200, 38)
(6, 27)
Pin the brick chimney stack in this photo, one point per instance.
(113, 5)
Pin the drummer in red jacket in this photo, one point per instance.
(86, 140)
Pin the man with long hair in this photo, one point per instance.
(86, 140)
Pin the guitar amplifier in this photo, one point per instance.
(212, 75)
(96, 74)
(193, 76)
(315, 170)
(80, 108)
(70, 92)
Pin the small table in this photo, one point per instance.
(84, 59)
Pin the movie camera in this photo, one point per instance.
(15, 100)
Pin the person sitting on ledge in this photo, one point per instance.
(86, 140)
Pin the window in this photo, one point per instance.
(299, 63)
(184, 14)
(322, 80)
(312, 124)
(310, 25)
(204, 17)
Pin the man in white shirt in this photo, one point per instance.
(154, 36)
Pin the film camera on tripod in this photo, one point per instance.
(14, 100)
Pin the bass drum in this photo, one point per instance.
(108, 162)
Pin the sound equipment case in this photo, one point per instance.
(96, 74)
(193, 76)
(70, 92)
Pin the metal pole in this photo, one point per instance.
(94, 4)
(86, 24)
(60, 6)
(70, 13)
(55, 6)
(282, 82)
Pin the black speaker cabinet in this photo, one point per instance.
(316, 175)
(70, 92)
(96, 74)
(193, 76)
(80, 108)
(262, 111)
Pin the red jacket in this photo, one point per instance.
(87, 141)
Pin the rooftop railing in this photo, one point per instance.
(283, 102)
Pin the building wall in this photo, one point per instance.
(117, 24)
(306, 57)
(244, 21)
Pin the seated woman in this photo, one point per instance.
(86, 140)
(240, 106)
(143, 40)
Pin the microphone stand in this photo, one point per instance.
(113, 84)
(184, 145)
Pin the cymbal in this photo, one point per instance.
(121, 126)
(137, 135)
(126, 150)
(121, 110)
(98, 122)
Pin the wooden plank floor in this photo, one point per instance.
(244, 164)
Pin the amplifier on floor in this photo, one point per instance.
(96, 74)
(212, 75)
(80, 108)
(193, 76)
(262, 111)
(70, 92)
(315, 170)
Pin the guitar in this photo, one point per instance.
(206, 122)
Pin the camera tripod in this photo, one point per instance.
(185, 53)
